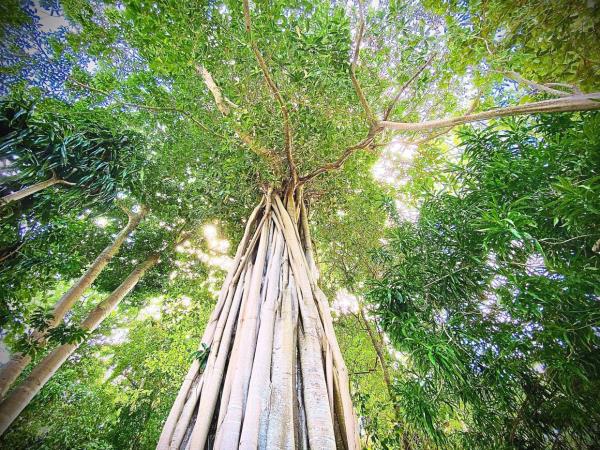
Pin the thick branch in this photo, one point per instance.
(222, 104)
(436, 134)
(565, 104)
(361, 96)
(287, 131)
(30, 190)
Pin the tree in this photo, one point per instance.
(10, 372)
(166, 61)
(20, 397)
(229, 77)
(481, 293)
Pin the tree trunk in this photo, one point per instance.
(379, 351)
(12, 369)
(378, 346)
(26, 192)
(275, 377)
(22, 395)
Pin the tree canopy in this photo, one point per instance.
(447, 155)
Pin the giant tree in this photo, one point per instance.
(284, 83)
(270, 302)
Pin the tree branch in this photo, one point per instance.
(66, 183)
(565, 104)
(536, 86)
(364, 144)
(9, 253)
(223, 105)
(361, 96)
(571, 87)
(406, 85)
(436, 134)
(275, 91)
(374, 127)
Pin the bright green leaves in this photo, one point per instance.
(545, 41)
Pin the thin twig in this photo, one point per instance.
(420, 70)
(445, 276)
(12, 252)
(565, 241)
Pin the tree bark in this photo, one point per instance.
(580, 102)
(274, 377)
(11, 370)
(22, 395)
(30, 190)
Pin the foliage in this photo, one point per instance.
(201, 355)
(543, 40)
(491, 294)
(100, 160)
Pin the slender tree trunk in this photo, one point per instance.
(275, 377)
(22, 395)
(26, 192)
(11, 370)
(378, 350)
(377, 345)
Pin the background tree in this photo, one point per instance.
(490, 294)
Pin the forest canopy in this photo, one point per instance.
(299, 224)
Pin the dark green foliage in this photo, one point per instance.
(100, 160)
(202, 355)
(493, 293)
